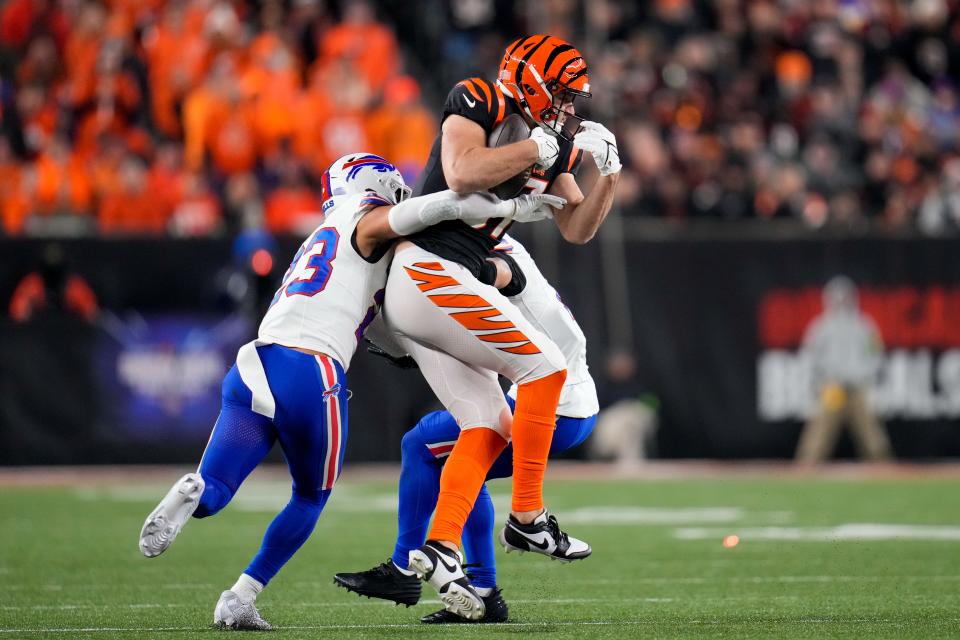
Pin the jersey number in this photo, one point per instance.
(322, 249)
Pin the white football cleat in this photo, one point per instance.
(165, 522)
(234, 613)
(543, 535)
(442, 568)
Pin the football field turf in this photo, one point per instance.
(821, 556)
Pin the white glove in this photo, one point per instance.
(415, 214)
(599, 142)
(547, 147)
(477, 208)
(533, 207)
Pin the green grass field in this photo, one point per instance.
(69, 564)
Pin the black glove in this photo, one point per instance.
(401, 362)
(518, 282)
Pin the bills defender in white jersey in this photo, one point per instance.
(427, 445)
(289, 385)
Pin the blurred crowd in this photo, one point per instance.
(842, 113)
(192, 117)
(195, 117)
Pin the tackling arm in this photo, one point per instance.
(384, 223)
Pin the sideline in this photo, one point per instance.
(92, 475)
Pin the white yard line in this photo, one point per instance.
(320, 605)
(481, 628)
(584, 581)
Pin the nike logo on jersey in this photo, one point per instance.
(469, 101)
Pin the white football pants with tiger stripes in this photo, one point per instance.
(462, 333)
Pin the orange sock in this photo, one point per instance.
(463, 475)
(534, 421)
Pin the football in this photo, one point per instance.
(512, 129)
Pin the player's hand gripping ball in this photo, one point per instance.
(512, 129)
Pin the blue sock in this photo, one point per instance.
(420, 480)
(478, 541)
(285, 535)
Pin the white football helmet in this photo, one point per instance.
(357, 173)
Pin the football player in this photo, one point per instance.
(444, 273)
(289, 385)
(426, 446)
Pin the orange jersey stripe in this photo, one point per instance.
(459, 300)
(505, 336)
(432, 266)
(480, 82)
(527, 349)
(502, 104)
(480, 320)
(430, 281)
(472, 89)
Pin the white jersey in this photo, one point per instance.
(330, 293)
(541, 305)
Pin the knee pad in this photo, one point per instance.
(310, 499)
(216, 495)
(412, 443)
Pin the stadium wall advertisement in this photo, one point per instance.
(718, 325)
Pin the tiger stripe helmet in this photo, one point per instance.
(542, 73)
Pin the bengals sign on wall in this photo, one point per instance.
(920, 376)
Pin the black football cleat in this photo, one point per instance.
(384, 581)
(543, 535)
(496, 611)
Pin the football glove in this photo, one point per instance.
(532, 207)
(401, 362)
(599, 142)
(547, 147)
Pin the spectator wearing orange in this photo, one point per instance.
(366, 44)
(104, 165)
(293, 206)
(63, 185)
(274, 113)
(21, 19)
(197, 211)
(167, 178)
(133, 209)
(272, 82)
(39, 116)
(42, 65)
(15, 200)
(219, 123)
(177, 58)
(115, 101)
(401, 128)
(83, 49)
(326, 131)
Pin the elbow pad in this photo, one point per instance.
(416, 214)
